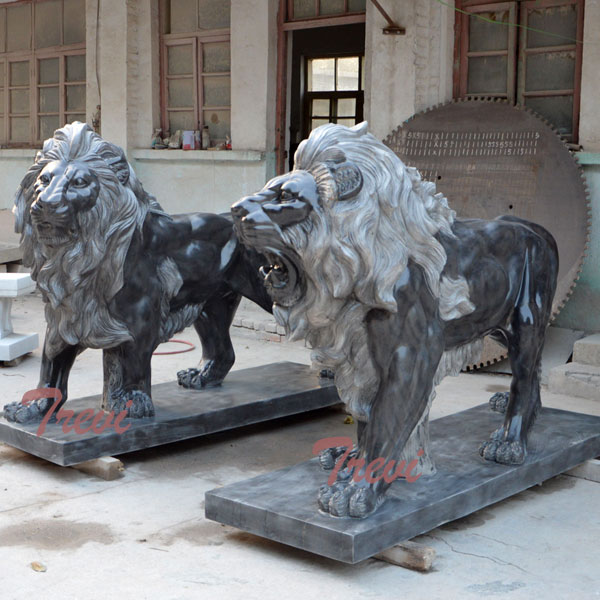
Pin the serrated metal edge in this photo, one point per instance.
(561, 304)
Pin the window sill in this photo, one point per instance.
(143, 154)
(588, 158)
(18, 153)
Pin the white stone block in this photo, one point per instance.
(587, 350)
(575, 379)
(15, 284)
(17, 344)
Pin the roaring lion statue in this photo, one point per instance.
(369, 264)
(118, 273)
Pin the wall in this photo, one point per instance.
(253, 73)
(407, 73)
(582, 311)
(589, 124)
(201, 181)
(13, 165)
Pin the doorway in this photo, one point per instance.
(326, 80)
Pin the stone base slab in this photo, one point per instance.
(282, 505)
(246, 397)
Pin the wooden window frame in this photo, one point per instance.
(62, 84)
(516, 53)
(334, 95)
(197, 39)
(346, 17)
(33, 56)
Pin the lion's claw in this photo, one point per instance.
(353, 501)
(190, 379)
(499, 402)
(33, 412)
(326, 492)
(329, 457)
(197, 379)
(141, 404)
(503, 452)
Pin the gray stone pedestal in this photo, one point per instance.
(282, 505)
(246, 397)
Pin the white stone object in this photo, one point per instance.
(13, 345)
(587, 350)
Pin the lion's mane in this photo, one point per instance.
(79, 280)
(354, 252)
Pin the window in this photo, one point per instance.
(314, 9)
(42, 69)
(334, 91)
(537, 64)
(196, 65)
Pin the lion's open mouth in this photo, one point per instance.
(281, 278)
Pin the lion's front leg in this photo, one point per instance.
(54, 373)
(127, 381)
(407, 348)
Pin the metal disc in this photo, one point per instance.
(490, 158)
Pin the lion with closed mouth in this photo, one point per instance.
(119, 274)
(393, 292)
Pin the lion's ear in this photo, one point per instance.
(115, 159)
(348, 178)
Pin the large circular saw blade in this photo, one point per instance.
(490, 158)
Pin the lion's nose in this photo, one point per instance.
(240, 209)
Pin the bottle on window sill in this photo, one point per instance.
(205, 138)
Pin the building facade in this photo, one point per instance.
(264, 72)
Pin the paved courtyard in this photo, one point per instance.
(145, 536)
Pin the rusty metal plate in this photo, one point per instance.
(489, 159)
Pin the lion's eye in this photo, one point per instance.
(79, 182)
(45, 179)
(287, 196)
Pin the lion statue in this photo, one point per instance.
(118, 273)
(369, 264)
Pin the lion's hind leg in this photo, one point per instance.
(508, 444)
(218, 356)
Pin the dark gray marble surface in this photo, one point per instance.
(282, 505)
(247, 396)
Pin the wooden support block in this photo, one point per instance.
(106, 467)
(409, 555)
(590, 470)
(15, 362)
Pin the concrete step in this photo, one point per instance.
(587, 350)
(576, 379)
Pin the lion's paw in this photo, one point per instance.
(328, 458)
(503, 452)
(190, 379)
(326, 492)
(211, 375)
(135, 404)
(499, 402)
(33, 412)
(354, 501)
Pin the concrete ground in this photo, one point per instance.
(145, 536)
